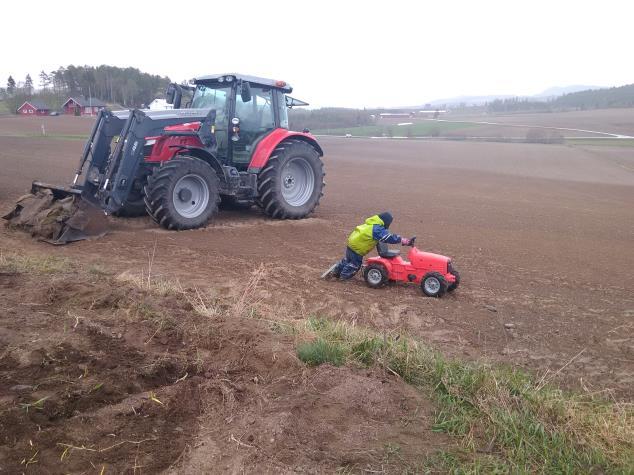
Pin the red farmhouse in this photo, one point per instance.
(34, 108)
(79, 105)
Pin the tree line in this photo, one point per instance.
(128, 87)
(614, 97)
(328, 117)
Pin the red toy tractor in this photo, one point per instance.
(434, 273)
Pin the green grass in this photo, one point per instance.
(417, 129)
(4, 109)
(507, 421)
(320, 351)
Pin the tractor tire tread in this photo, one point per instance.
(158, 195)
(270, 197)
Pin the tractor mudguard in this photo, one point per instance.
(265, 147)
(203, 155)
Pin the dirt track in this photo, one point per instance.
(543, 235)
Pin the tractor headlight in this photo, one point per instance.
(229, 78)
(150, 142)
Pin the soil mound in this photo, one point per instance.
(98, 374)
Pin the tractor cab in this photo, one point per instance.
(247, 108)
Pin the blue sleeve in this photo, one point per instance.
(379, 233)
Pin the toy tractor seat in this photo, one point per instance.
(384, 251)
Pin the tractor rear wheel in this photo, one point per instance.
(291, 183)
(375, 276)
(183, 193)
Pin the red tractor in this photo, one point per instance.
(230, 142)
(434, 273)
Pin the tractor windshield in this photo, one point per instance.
(212, 98)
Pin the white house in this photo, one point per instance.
(160, 105)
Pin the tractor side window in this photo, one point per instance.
(257, 114)
(282, 110)
(257, 117)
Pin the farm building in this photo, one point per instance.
(396, 115)
(79, 105)
(34, 108)
(159, 105)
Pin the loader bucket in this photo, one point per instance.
(58, 215)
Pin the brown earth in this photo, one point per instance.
(99, 375)
(543, 236)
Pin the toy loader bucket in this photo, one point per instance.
(58, 215)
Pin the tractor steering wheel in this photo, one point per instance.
(412, 241)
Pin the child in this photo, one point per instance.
(361, 241)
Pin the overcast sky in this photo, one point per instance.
(335, 53)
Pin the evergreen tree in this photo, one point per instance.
(45, 80)
(28, 85)
(10, 85)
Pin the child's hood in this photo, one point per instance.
(374, 220)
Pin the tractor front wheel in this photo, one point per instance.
(434, 284)
(183, 193)
(454, 285)
(134, 206)
(291, 183)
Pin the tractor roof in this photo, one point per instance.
(283, 85)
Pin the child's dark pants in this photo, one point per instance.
(349, 265)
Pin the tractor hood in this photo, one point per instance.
(187, 115)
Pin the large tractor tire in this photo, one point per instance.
(134, 206)
(182, 193)
(291, 183)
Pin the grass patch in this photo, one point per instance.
(506, 420)
(321, 351)
(417, 129)
(33, 264)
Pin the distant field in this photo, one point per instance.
(533, 128)
(3, 108)
(602, 142)
(613, 121)
(393, 129)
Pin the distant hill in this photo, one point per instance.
(554, 98)
(622, 96)
(550, 93)
(557, 91)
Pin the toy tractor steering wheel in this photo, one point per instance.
(412, 241)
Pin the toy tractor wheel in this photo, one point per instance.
(291, 184)
(375, 276)
(433, 284)
(454, 285)
(182, 193)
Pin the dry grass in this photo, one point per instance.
(12, 262)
